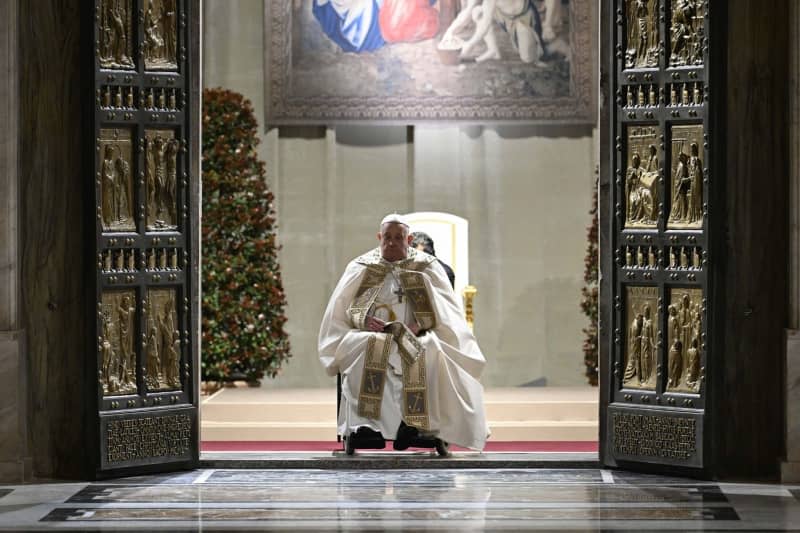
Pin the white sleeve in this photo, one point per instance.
(336, 323)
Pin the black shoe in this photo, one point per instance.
(364, 438)
(406, 436)
(442, 448)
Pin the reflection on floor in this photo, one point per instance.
(319, 500)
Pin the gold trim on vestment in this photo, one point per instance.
(412, 353)
(365, 297)
(373, 378)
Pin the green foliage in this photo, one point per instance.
(590, 292)
(243, 298)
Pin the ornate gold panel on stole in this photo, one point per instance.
(115, 344)
(684, 340)
(642, 176)
(686, 182)
(160, 46)
(115, 34)
(116, 180)
(641, 337)
(643, 41)
(163, 340)
(687, 34)
(161, 164)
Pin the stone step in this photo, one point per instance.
(248, 405)
(521, 414)
(533, 430)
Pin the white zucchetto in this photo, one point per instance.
(396, 218)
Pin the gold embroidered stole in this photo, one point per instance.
(412, 353)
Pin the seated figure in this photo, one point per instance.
(396, 332)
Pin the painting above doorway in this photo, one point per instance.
(419, 61)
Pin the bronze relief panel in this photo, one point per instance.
(684, 340)
(641, 337)
(162, 367)
(116, 346)
(687, 32)
(642, 34)
(115, 34)
(686, 186)
(642, 176)
(115, 150)
(161, 160)
(160, 46)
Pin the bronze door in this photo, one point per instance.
(657, 233)
(145, 168)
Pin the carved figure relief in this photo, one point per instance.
(646, 257)
(116, 180)
(687, 33)
(643, 34)
(160, 47)
(162, 370)
(642, 177)
(685, 339)
(115, 34)
(161, 154)
(686, 208)
(116, 346)
(641, 354)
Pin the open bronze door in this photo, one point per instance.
(145, 106)
(694, 235)
(657, 161)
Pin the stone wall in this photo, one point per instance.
(14, 458)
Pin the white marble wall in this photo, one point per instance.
(14, 465)
(791, 467)
(526, 192)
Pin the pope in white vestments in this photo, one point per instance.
(396, 332)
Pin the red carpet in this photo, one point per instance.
(326, 446)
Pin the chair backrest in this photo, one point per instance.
(450, 234)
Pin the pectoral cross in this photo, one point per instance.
(399, 292)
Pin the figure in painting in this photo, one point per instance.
(519, 18)
(367, 25)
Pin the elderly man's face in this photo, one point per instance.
(394, 239)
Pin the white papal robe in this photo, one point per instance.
(449, 360)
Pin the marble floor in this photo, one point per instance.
(412, 500)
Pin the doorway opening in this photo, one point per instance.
(526, 192)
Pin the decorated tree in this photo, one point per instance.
(243, 299)
(590, 292)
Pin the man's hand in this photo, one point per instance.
(374, 324)
(415, 329)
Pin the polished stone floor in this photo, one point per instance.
(424, 499)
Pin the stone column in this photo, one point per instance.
(790, 471)
(14, 460)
